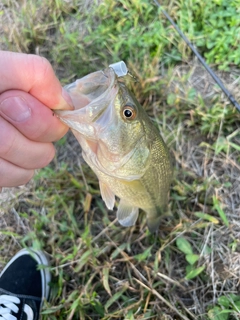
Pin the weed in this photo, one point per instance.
(214, 27)
(190, 269)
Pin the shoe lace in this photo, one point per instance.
(7, 306)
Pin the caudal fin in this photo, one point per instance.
(154, 219)
(153, 223)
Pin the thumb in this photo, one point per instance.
(35, 75)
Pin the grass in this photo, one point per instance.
(190, 269)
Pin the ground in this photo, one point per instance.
(189, 269)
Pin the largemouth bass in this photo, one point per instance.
(121, 145)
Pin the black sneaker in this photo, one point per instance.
(23, 287)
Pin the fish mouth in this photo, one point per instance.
(91, 88)
(91, 96)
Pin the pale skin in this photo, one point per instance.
(29, 91)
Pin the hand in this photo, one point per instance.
(29, 90)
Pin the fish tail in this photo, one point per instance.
(153, 224)
(154, 219)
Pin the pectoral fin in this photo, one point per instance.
(107, 195)
(126, 214)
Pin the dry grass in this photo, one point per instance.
(100, 269)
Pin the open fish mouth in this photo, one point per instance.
(91, 88)
(91, 95)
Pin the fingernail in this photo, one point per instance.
(66, 102)
(15, 108)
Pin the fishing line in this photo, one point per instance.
(200, 58)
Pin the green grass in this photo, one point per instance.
(190, 269)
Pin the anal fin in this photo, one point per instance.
(127, 215)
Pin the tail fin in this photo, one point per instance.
(154, 218)
(153, 223)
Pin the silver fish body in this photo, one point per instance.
(121, 145)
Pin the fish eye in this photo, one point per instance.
(129, 113)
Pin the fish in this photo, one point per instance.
(121, 145)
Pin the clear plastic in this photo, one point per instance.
(119, 68)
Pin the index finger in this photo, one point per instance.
(32, 74)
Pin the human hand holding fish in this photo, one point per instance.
(29, 90)
(121, 145)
